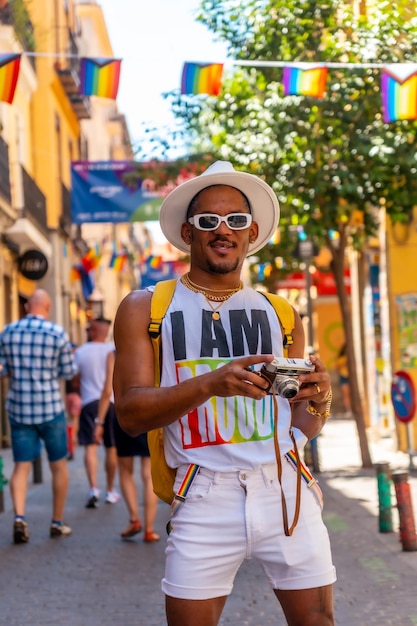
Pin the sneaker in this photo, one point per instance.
(20, 531)
(92, 501)
(112, 497)
(59, 530)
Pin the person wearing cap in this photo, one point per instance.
(246, 500)
(91, 362)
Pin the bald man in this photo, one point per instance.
(35, 353)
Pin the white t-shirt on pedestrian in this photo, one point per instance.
(90, 359)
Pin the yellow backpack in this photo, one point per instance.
(163, 476)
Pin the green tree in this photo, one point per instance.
(333, 163)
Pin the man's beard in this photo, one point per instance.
(222, 268)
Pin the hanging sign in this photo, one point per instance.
(33, 264)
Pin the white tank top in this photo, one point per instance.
(223, 434)
(91, 362)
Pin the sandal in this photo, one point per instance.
(134, 528)
(150, 537)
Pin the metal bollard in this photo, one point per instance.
(384, 497)
(37, 470)
(405, 509)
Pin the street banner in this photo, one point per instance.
(112, 191)
(155, 269)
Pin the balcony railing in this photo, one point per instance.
(5, 187)
(34, 202)
(69, 76)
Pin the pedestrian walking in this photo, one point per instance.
(73, 409)
(90, 359)
(35, 353)
(220, 424)
(128, 448)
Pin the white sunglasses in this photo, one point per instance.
(211, 221)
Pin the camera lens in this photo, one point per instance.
(287, 387)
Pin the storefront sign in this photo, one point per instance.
(33, 264)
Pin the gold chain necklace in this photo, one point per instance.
(187, 282)
(227, 293)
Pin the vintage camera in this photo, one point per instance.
(283, 375)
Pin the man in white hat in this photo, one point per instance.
(217, 415)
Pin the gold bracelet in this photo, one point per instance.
(326, 414)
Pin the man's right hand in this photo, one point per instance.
(237, 378)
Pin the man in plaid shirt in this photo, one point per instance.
(35, 353)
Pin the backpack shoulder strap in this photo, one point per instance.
(285, 314)
(161, 298)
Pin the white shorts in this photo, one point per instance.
(233, 516)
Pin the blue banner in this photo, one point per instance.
(112, 191)
(152, 272)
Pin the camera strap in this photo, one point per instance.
(287, 529)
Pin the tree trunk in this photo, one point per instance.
(363, 281)
(338, 266)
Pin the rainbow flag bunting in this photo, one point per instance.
(9, 73)
(202, 78)
(99, 77)
(305, 80)
(399, 92)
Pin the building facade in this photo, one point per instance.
(46, 127)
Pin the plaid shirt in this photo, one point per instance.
(35, 353)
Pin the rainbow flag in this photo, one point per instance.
(198, 78)
(155, 262)
(75, 274)
(99, 77)
(305, 80)
(90, 260)
(399, 92)
(9, 73)
(118, 261)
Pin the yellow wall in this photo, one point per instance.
(55, 124)
(402, 278)
(329, 329)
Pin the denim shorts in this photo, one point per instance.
(26, 439)
(232, 516)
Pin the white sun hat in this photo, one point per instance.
(263, 202)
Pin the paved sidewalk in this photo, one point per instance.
(94, 579)
(376, 578)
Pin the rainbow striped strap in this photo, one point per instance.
(181, 494)
(308, 478)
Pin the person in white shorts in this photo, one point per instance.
(219, 416)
